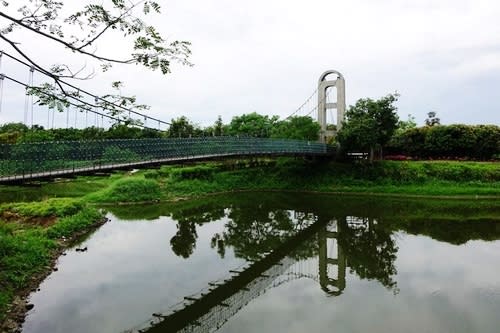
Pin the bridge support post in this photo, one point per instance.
(323, 106)
(325, 281)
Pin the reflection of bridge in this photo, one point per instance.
(31, 161)
(214, 307)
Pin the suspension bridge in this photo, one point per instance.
(68, 106)
(209, 309)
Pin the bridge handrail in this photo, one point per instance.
(28, 159)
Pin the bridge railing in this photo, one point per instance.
(62, 157)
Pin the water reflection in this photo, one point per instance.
(364, 245)
(220, 256)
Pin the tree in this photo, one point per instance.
(81, 31)
(432, 120)
(404, 125)
(181, 128)
(297, 127)
(218, 127)
(369, 124)
(252, 124)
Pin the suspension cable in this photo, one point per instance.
(303, 104)
(87, 109)
(105, 102)
(1, 81)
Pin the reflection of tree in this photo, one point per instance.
(184, 241)
(254, 230)
(370, 252)
(218, 242)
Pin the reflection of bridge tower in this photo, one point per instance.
(209, 309)
(323, 105)
(328, 240)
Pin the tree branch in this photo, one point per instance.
(132, 6)
(60, 41)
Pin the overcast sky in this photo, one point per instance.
(266, 56)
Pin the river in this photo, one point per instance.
(280, 262)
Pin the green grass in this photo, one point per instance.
(51, 207)
(23, 253)
(27, 250)
(415, 178)
(129, 189)
(72, 224)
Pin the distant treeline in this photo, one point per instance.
(253, 124)
(480, 142)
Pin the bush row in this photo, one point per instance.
(480, 142)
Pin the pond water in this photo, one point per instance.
(280, 262)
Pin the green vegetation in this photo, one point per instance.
(419, 178)
(51, 207)
(369, 125)
(448, 141)
(131, 189)
(31, 237)
(31, 233)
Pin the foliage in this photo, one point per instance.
(181, 128)
(116, 154)
(11, 132)
(52, 207)
(70, 225)
(404, 125)
(252, 124)
(23, 253)
(296, 127)
(371, 252)
(448, 141)
(27, 250)
(194, 172)
(81, 32)
(369, 124)
(218, 127)
(184, 241)
(130, 189)
(421, 178)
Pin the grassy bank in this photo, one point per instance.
(421, 178)
(32, 235)
(389, 177)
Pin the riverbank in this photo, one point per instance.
(32, 237)
(34, 234)
(420, 179)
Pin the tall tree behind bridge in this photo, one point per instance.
(369, 125)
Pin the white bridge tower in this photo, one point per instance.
(323, 105)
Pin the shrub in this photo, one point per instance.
(51, 207)
(130, 190)
(194, 172)
(69, 225)
(452, 141)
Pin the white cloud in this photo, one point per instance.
(265, 56)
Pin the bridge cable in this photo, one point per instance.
(86, 108)
(105, 102)
(303, 104)
(31, 80)
(1, 81)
